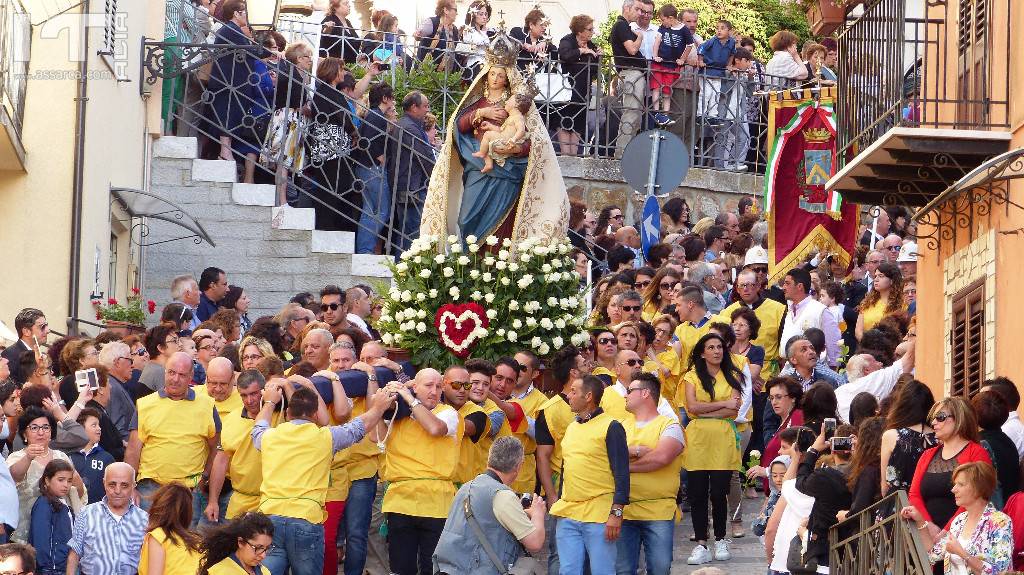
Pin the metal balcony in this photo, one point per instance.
(15, 38)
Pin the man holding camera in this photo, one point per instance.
(489, 525)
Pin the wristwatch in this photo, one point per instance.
(617, 511)
(414, 403)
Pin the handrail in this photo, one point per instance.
(877, 541)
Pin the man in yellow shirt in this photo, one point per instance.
(420, 458)
(236, 456)
(481, 374)
(296, 459)
(595, 483)
(655, 445)
(472, 461)
(627, 362)
(174, 434)
(220, 385)
(528, 399)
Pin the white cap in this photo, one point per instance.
(908, 253)
(756, 255)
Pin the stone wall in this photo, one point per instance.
(598, 182)
(272, 252)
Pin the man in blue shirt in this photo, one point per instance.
(214, 284)
(107, 536)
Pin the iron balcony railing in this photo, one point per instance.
(876, 541)
(15, 41)
(934, 64)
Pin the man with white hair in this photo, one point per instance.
(316, 348)
(116, 356)
(342, 356)
(174, 435)
(220, 386)
(770, 312)
(707, 276)
(107, 535)
(865, 373)
(185, 290)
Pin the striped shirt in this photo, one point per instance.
(107, 544)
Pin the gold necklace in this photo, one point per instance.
(501, 99)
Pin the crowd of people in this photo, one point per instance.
(335, 137)
(293, 443)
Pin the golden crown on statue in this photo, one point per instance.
(817, 135)
(503, 50)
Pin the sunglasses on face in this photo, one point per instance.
(633, 362)
(630, 308)
(665, 285)
(618, 217)
(942, 416)
(605, 340)
(142, 352)
(251, 357)
(330, 306)
(759, 270)
(632, 389)
(466, 385)
(641, 285)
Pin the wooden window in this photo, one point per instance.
(967, 341)
(973, 48)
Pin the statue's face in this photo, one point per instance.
(497, 78)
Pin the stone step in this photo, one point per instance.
(288, 218)
(253, 194)
(175, 147)
(370, 265)
(333, 242)
(214, 171)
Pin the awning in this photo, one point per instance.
(140, 204)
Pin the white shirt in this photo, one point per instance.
(647, 45)
(673, 430)
(879, 383)
(360, 323)
(1014, 429)
(663, 406)
(745, 395)
(798, 508)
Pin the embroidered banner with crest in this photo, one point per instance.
(802, 217)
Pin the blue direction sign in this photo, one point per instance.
(650, 224)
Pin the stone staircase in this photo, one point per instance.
(271, 252)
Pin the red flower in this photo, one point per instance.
(111, 301)
(151, 305)
(99, 315)
(135, 291)
(95, 302)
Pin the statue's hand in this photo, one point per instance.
(498, 115)
(505, 149)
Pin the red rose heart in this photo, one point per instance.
(456, 326)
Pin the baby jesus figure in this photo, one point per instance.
(511, 132)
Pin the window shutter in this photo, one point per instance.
(967, 341)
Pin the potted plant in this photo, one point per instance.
(124, 318)
(825, 16)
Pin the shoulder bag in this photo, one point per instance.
(525, 565)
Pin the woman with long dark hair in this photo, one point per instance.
(659, 293)
(864, 476)
(885, 298)
(907, 435)
(170, 547)
(238, 547)
(713, 389)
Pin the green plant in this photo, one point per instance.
(443, 88)
(131, 311)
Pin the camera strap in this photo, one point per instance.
(479, 532)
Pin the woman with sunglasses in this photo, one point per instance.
(713, 390)
(238, 547)
(663, 357)
(140, 356)
(605, 349)
(956, 429)
(658, 294)
(885, 298)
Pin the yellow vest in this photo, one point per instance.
(178, 559)
(588, 486)
(361, 458)
(472, 461)
(246, 468)
(669, 383)
(231, 404)
(770, 313)
(652, 495)
(174, 437)
(649, 311)
(227, 566)
(527, 479)
(614, 404)
(296, 469)
(688, 334)
(558, 415)
(420, 468)
(601, 370)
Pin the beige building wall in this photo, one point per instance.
(36, 219)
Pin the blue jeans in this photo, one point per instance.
(358, 509)
(298, 544)
(656, 538)
(577, 541)
(199, 501)
(376, 207)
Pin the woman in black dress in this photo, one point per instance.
(907, 435)
(579, 57)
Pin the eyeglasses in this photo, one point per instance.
(44, 428)
(759, 270)
(634, 362)
(125, 357)
(746, 285)
(777, 397)
(461, 384)
(43, 326)
(667, 285)
(630, 308)
(642, 285)
(630, 390)
(142, 352)
(618, 217)
(331, 306)
(893, 248)
(605, 340)
(940, 417)
(250, 357)
(260, 549)
(171, 340)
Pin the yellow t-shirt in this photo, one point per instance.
(227, 566)
(296, 462)
(588, 486)
(770, 314)
(471, 461)
(712, 444)
(231, 404)
(361, 458)
(669, 383)
(246, 468)
(419, 468)
(557, 415)
(527, 478)
(874, 314)
(178, 559)
(174, 436)
(652, 494)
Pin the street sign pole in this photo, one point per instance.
(652, 170)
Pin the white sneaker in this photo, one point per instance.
(722, 550)
(700, 556)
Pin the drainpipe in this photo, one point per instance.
(79, 168)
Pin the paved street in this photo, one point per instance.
(747, 552)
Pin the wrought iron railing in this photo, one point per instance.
(877, 541)
(947, 67)
(15, 39)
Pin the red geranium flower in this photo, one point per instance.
(135, 291)
(151, 305)
(111, 301)
(99, 315)
(95, 302)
